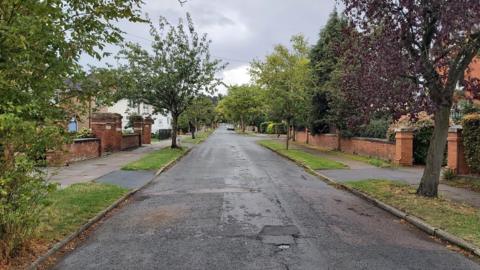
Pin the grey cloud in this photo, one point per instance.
(241, 30)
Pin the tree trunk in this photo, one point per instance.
(436, 150)
(288, 134)
(174, 131)
(242, 123)
(294, 133)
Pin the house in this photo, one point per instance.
(473, 75)
(126, 108)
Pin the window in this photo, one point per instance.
(72, 125)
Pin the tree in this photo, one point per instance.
(326, 61)
(422, 46)
(169, 78)
(242, 104)
(200, 112)
(285, 75)
(41, 43)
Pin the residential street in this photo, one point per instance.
(232, 204)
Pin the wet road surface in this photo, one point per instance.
(231, 204)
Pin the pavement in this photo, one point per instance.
(411, 175)
(232, 204)
(88, 170)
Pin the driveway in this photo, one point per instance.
(231, 204)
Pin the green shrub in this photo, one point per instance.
(376, 128)
(421, 141)
(84, 133)
(280, 128)
(163, 134)
(263, 127)
(276, 128)
(471, 140)
(449, 174)
(23, 186)
(270, 129)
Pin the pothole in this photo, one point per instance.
(282, 236)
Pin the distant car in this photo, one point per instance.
(230, 127)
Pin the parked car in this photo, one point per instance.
(230, 127)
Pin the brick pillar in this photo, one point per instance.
(404, 147)
(147, 130)
(456, 156)
(137, 122)
(108, 128)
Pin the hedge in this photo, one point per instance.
(263, 127)
(471, 140)
(276, 128)
(163, 134)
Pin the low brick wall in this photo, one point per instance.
(80, 149)
(326, 141)
(131, 141)
(378, 148)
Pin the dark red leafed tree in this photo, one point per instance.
(410, 50)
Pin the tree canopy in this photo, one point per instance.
(417, 52)
(169, 78)
(41, 43)
(243, 104)
(285, 75)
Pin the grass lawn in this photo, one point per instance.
(199, 137)
(155, 160)
(71, 207)
(312, 161)
(459, 219)
(462, 182)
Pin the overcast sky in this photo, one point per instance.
(240, 30)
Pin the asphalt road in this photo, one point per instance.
(231, 204)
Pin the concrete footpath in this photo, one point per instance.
(106, 167)
(411, 175)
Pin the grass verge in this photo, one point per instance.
(472, 184)
(199, 137)
(370, 160)
(67, 210)
(459, 219)
(71, 207)
(155, 160)
(312, 161)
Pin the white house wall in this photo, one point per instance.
(122, 107)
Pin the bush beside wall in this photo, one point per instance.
(471, 140)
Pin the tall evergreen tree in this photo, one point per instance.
(325, 61)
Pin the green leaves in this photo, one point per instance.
(286, 76)
(40, 81)
(243, 103)
(178, 69)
